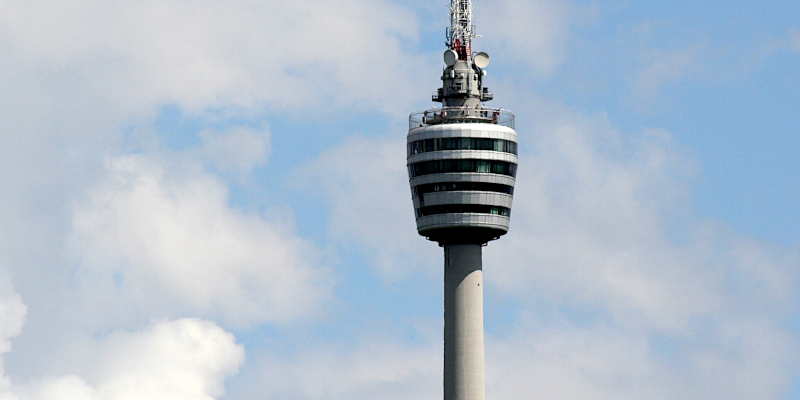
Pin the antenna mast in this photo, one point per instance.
(462, 78)
(461, 31)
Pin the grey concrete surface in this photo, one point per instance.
(463, 323)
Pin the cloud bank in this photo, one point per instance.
(201, 54)
(154, 231)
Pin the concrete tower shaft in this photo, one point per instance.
(463, 323)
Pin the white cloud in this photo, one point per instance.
(183, 359)
(371, 370)
(663, 68)
(241, 53)
(12, 317)
(169, 242)
(362, 181)
(601, 221)
(169, 360)
(67, 387)
(600, 361)
(572, 361)
(235, 151)
(601, 226)
(78, 235)
(77, 74)
(533, 32)
(94, 247)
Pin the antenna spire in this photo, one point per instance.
(461, 31)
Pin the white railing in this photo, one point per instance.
(451, 115)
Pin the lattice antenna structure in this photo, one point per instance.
(461, 31)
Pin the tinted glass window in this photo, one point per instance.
(428, 145)
(463, 208)
(464, 186)
(444, 166)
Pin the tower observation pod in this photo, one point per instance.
(462, 163)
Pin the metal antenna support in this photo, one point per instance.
(461, 31)
(462, 78)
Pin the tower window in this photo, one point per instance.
(464, 187)
(463, 143)
(464, 208)
(462, 165)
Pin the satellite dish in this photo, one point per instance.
(450, 58)
(482, 60)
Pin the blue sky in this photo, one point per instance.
(209, 201)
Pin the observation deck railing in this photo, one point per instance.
(451, 115)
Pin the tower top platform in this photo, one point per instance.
(453, 115)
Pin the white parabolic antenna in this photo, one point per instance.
(482, 60)
(450, 58)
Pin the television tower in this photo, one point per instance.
(462, 163)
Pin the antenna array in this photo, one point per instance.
(461, 31)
